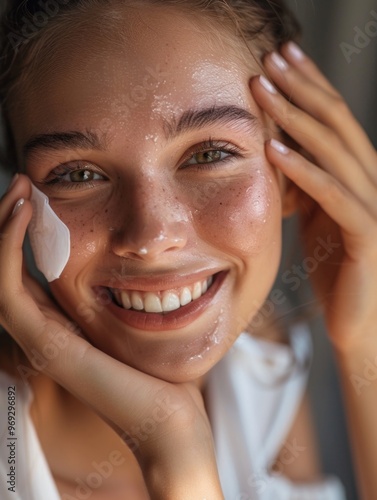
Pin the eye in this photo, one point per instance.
(81, 176)
(74, 175)
(207, 157)
(211, 154)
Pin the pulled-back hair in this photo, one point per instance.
(28, 27)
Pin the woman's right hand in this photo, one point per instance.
(177, 459)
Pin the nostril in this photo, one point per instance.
(150, 240)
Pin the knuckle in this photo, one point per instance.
(285, 116)
(339, 107)
(328, 139)
(338, 102)
(333, 109)
(5, 312)
(332, 190)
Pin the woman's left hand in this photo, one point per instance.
(336, 173)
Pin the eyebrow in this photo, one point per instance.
(192, 119)
(199, 118)
(64, 140)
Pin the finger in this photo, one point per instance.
(19, 189)
(320, 141)
(55, 348)
(327, 106)
(295, 56)
(11, 255)
(355, 221)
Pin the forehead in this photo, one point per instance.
(140, 63)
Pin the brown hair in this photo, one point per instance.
(28, 27)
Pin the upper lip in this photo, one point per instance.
(159, 282)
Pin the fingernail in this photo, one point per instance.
(267, 85)
(18, 206)
(279, 147)
(295, 51)
(13, 182)
(279, 62)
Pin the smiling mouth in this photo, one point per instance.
(132, 307)
(162, 302)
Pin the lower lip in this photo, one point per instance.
(174, 319)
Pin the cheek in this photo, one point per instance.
(89, 224)
(244, 217)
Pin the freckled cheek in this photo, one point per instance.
(89, 226)
(244, 217)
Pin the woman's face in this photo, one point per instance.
(162, 180)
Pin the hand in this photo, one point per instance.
(336, 174)
(178, 456)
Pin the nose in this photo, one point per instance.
(151, 224)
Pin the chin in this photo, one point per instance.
(177, 361)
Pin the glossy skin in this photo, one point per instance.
(188, 220)
(336, 184)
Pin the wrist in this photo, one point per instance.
(184, 467)
(183, 480)
(358, 362)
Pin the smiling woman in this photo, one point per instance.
(161, 242)
(143, 125)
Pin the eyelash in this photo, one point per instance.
(211, 145)
(56, 175)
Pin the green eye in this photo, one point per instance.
(82, 176)
(78, 175)
(207, 157)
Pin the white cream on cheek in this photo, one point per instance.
(49, 237)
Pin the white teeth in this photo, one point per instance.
(126, 301)
(152, 304)
(170, 302)
(185, 296)
(197, 292)
(137, 301)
